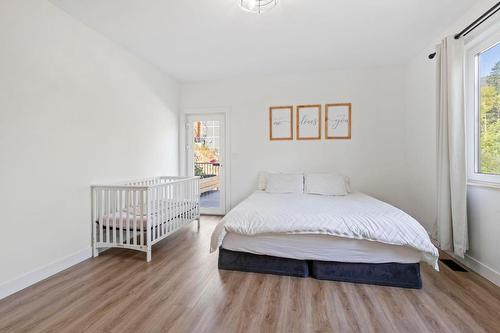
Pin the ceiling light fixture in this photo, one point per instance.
(257, 6)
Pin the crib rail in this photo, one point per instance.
(137, 214)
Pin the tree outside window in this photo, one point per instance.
(489, 111)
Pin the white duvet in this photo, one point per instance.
(355, 216)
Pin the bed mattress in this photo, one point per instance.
(320, 247)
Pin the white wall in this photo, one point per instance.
(420, 139)
(75, 109)
(420, 142)
(373, 158)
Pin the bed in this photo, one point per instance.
(353, 237)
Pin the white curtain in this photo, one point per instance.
(452, 176)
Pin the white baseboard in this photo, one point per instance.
(480, 268)
(26, 280)
(483, 270)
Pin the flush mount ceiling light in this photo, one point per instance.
(257, 6)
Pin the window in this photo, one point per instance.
(483, 110)
(488, 159)
(206, 134)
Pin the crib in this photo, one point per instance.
(138, 214)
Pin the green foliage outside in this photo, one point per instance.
(198, 171)
(203, 154)
(489, 155)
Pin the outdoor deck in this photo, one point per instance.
(210, 199)
(209, 184)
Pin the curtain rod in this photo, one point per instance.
(490, 12)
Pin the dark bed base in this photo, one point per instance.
(247, 262)
(387, 274)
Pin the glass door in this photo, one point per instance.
(205, 158)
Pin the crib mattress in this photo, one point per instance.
(130, 218)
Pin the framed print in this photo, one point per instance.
(338, 119)
(281, 123)
(309, 122)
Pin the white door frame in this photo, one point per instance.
(183, 167)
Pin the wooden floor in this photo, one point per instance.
(182, 290)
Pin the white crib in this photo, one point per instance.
(138, 214)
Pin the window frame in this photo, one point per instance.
(474, 47)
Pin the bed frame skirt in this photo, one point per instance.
(386, 274)
(247, 262)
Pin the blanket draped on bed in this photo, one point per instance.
(355, 216)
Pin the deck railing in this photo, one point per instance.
(208, 168)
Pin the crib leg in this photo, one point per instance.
(198, 223)
(148, 254)
(95, 251)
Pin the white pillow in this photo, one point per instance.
(325, 184)
(285, 183)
